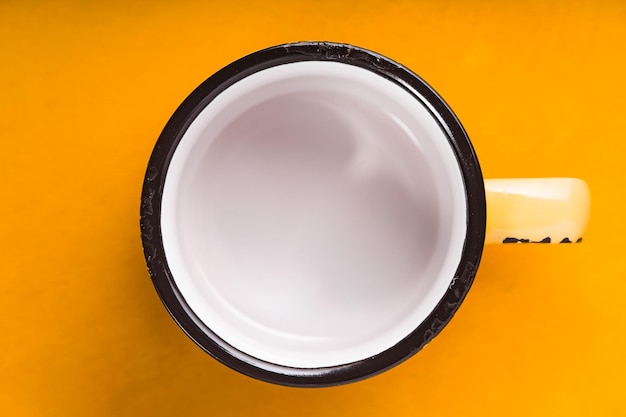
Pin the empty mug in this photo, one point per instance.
(314, 214)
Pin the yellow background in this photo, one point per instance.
(85, 89)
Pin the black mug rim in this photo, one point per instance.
(152, 192)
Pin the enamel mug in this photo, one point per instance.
(314, 214)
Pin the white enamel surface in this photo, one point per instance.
(313, 214)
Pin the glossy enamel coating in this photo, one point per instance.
(332, 373)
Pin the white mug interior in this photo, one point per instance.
(313, 214)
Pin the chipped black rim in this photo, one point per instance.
(156, 173)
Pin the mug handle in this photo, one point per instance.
(536, 210)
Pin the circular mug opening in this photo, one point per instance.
(313, 214)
